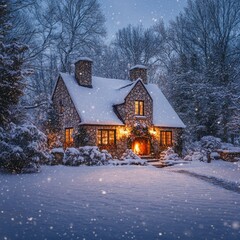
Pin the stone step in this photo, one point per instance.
(145, 157)
(152, 160)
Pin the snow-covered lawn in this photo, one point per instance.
(128, 202)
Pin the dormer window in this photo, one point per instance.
(139, 108)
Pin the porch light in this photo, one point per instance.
(124, 132)
(153, 131)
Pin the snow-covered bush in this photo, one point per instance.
(129, 154)
(128, 158)
(72, 157)
(170, 155)
(22, 147)
(57, 156)
(196, 156)
(210, 142)
(88, 155)
(203, 150)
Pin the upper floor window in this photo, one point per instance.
(139, 108)
(106, 137)
(166, 138)
(68, 137)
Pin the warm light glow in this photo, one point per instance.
(153, 131)
(136, 148)
(124, 132)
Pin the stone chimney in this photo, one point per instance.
(139, 71)
(83, 72)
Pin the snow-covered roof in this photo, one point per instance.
(95, 105)
(84, 59)
(138, 66)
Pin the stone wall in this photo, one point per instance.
(121, 141)
(69, 117)
(127, 110)
(122, 134)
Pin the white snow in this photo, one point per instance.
(138, 66)
(217, 168)
(84, 59)
(57, 150)
(95, 105)
(117, 203)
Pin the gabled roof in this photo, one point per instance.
(96, 105)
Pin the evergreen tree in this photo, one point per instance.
(11, 62)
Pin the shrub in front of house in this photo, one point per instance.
(23, 148)
(128, 158)
(88, 155)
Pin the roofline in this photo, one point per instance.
(136, 81)
(55, 86)
(94, 124)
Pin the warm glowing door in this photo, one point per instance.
(141, 146)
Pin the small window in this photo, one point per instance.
(106, 137)
(68, 137)
(166, 138)
(139, 108)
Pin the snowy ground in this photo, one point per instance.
(128, 202)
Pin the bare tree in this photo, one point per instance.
(81, 25)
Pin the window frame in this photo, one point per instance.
(68, 142)
(164, 141)
(137, 108)
(100, 141)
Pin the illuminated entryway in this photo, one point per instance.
(141, 146)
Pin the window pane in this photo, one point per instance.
(166, 138)
(99, 139)
(111, 137)
(141, 108)
(136, 107)
(71, 135)
(67, 135)
(169, 138)
(104, 137)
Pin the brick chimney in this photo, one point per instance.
(83, 71)
(139, 71)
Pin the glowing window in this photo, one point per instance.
(68, 137)
(166, 138)
(106, 137)
(139, 108)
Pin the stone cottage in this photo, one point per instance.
(115, 114)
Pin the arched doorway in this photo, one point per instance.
(141, 146)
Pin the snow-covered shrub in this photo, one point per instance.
(170, 155)
(88, 155)
(204, 150)
(93, 156)
(57, 156)
(128, 158)
(210, 142)
(22, 147)
(196, 156)
(129, 154)
(72, 157)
